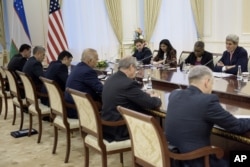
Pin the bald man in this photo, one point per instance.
(84, 78)
(192, 113)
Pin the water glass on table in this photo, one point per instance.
(245, 76)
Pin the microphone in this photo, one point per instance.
(140, 61)
(210, 61)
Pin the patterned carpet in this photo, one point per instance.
(24, 151)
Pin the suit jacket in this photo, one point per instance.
(146, 52)
(83, 78)
(240, 57)
(206, 59)
(191, 116)
(34, 69)
(121, 90)
(16, 63)
(59, 73)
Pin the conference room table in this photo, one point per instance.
(234, 95)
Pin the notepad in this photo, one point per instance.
(242, 116)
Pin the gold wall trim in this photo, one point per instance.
(245, 17)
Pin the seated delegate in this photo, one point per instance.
(142, 53)
(189, 125)
(232, 57)
(199, 56)
(121, 89)
(166, 54)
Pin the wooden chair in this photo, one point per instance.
(155, 52)
(91, 129)
(149, 144)
(183, 56)
(4, 95)
(36, 108)
(59, 114)
(3, 75)
(18, 101)
(216, 57)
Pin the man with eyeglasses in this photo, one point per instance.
(121, 89)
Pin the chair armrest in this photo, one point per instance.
(69, 105)
(113, 123)
(202, 152)
(40, 94)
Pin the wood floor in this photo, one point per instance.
(24, 151)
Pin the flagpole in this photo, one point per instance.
(44, 36)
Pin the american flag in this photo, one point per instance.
(57, 41)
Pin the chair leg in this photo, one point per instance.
(86, 150)
(14, 116)
(104, 160)
(6, 107)
(30, 127)
(68, 146)
(40, 129)
(121, 158)
(55, 139)
(1, 105)
(21, 123)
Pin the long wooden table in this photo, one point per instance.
(234, 95)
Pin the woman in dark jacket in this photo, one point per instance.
(166, 54)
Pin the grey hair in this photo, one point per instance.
(87, 54)
(38, 49)
(125, 62)
(232, 37)
(198, 72)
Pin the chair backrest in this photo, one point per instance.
(2, 72)
(12, 83)
(155, 52)
(216, 57)
(149, 145)
(88, 114)
(2, 87)
(29, 88)
(183, 56)
(56, 97)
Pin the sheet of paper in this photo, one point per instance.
(221, 74)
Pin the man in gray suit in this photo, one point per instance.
(192, 113)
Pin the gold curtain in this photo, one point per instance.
(2, 34)
(151, 12)
(115, 16)
(198, 13)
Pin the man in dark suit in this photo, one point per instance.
(200, 57)
(17, 62)
(58, 71)
(232, 57)
(121, 89)
(142, 53)
(34, 68)
(192, 113)
(84, 78)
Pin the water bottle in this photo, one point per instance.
(149, 82)
(145, 84)
(239, 75)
